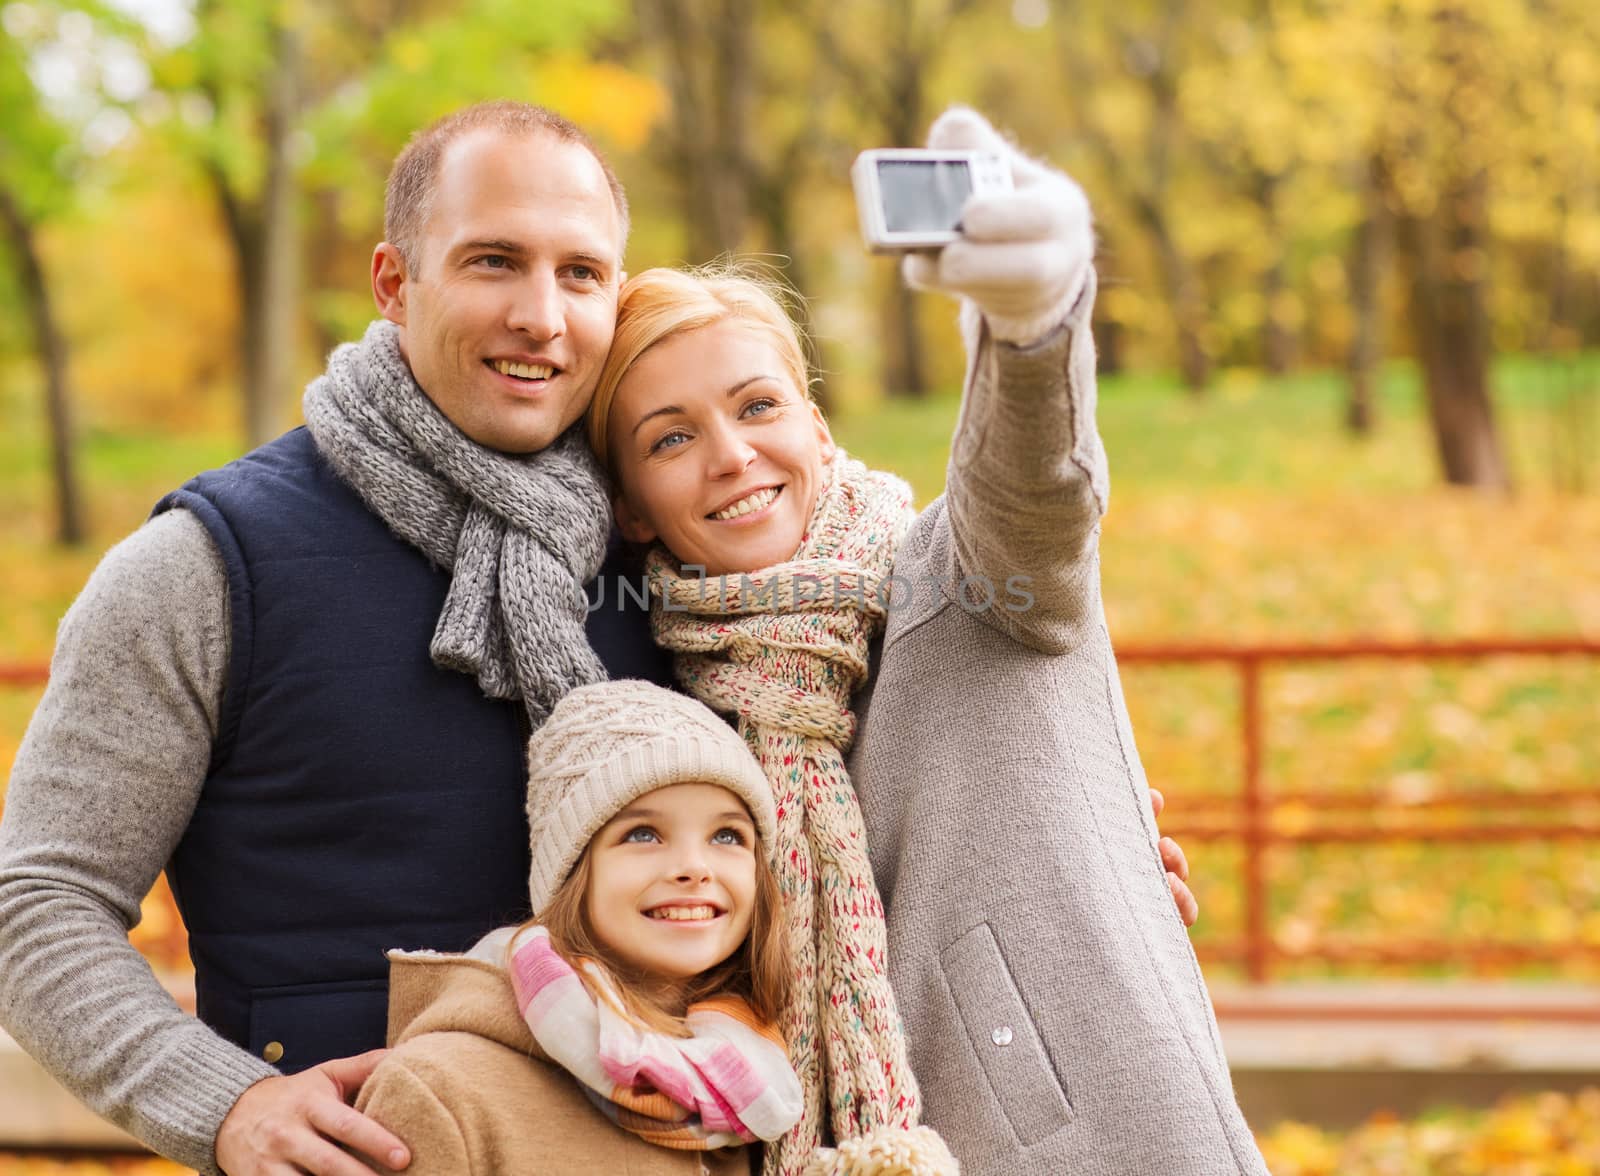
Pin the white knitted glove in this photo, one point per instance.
(1025, 254)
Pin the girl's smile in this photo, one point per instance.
(672, 881)
(717, 453)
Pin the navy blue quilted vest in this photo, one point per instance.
(359, 798)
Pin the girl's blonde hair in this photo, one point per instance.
(661, 303)
(759, 971)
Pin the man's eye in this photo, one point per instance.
(728, 836)
(585, 273)
(641, 834)
(495, 261)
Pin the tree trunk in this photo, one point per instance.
(1446, 249)
(774, 203)
(1369, 258)
(1183, 295)
(1447, 257)
(273, 302)
(52, 351)
(1277, 337)
(905, 371)
(735, 50)
(708, 150)
(905, 368)
(329, 271)
(1108, 343)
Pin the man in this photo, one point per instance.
(245, 686)
(304, 686)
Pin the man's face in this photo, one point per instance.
(508, 311)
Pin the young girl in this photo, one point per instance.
(638, 1031)
(1053, 1005)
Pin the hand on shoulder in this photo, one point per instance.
(303, 1122)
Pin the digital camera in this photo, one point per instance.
(912, 199)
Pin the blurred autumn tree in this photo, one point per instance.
(32, 183)
(1286, 179)
(36, 168)
(311, 100)
(769, 103)
(1278, 184)
(398, 76)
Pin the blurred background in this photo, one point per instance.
(1348, 331)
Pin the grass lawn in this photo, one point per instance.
(1245, 516)
(1248, 515)
(1251, 516)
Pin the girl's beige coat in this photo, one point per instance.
(468, 1090)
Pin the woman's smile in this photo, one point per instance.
(747, 507)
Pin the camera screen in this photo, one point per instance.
(922, 196)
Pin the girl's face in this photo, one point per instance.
(717, 453)
(672, 880)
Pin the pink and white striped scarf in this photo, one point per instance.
(730, 1083)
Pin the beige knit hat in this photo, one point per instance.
(606, 745)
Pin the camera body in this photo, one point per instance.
(909, 198)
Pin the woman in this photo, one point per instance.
(1054, 1010)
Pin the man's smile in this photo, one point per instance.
(523, 371)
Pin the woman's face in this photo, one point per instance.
(672, 880)
(717, 453)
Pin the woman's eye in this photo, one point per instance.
(670, 441)
(729, 836)
(758, 407)
(640, 835)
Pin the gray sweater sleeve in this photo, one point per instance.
(105, 782)
(1027, 481)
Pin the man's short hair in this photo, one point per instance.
(408, 198)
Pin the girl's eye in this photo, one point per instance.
(727, 836)
(640, 835)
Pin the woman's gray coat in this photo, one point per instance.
(1057, 1018)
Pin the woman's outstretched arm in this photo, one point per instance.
(1027, 481)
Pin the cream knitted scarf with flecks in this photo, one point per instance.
(784, 648)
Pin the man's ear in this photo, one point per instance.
(630, 522)
(824, 436)
(389, 282)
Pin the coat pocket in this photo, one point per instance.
(299, 1026)
(1003, 1036)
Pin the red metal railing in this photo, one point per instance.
(1249, 817)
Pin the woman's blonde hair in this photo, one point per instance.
(759, 971)
(661, 303)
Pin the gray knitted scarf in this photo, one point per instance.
(521, 535)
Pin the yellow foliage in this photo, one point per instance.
(45, 1165)
(411, 52)
(1547, 1134)
(151, 330)
(613, 103)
